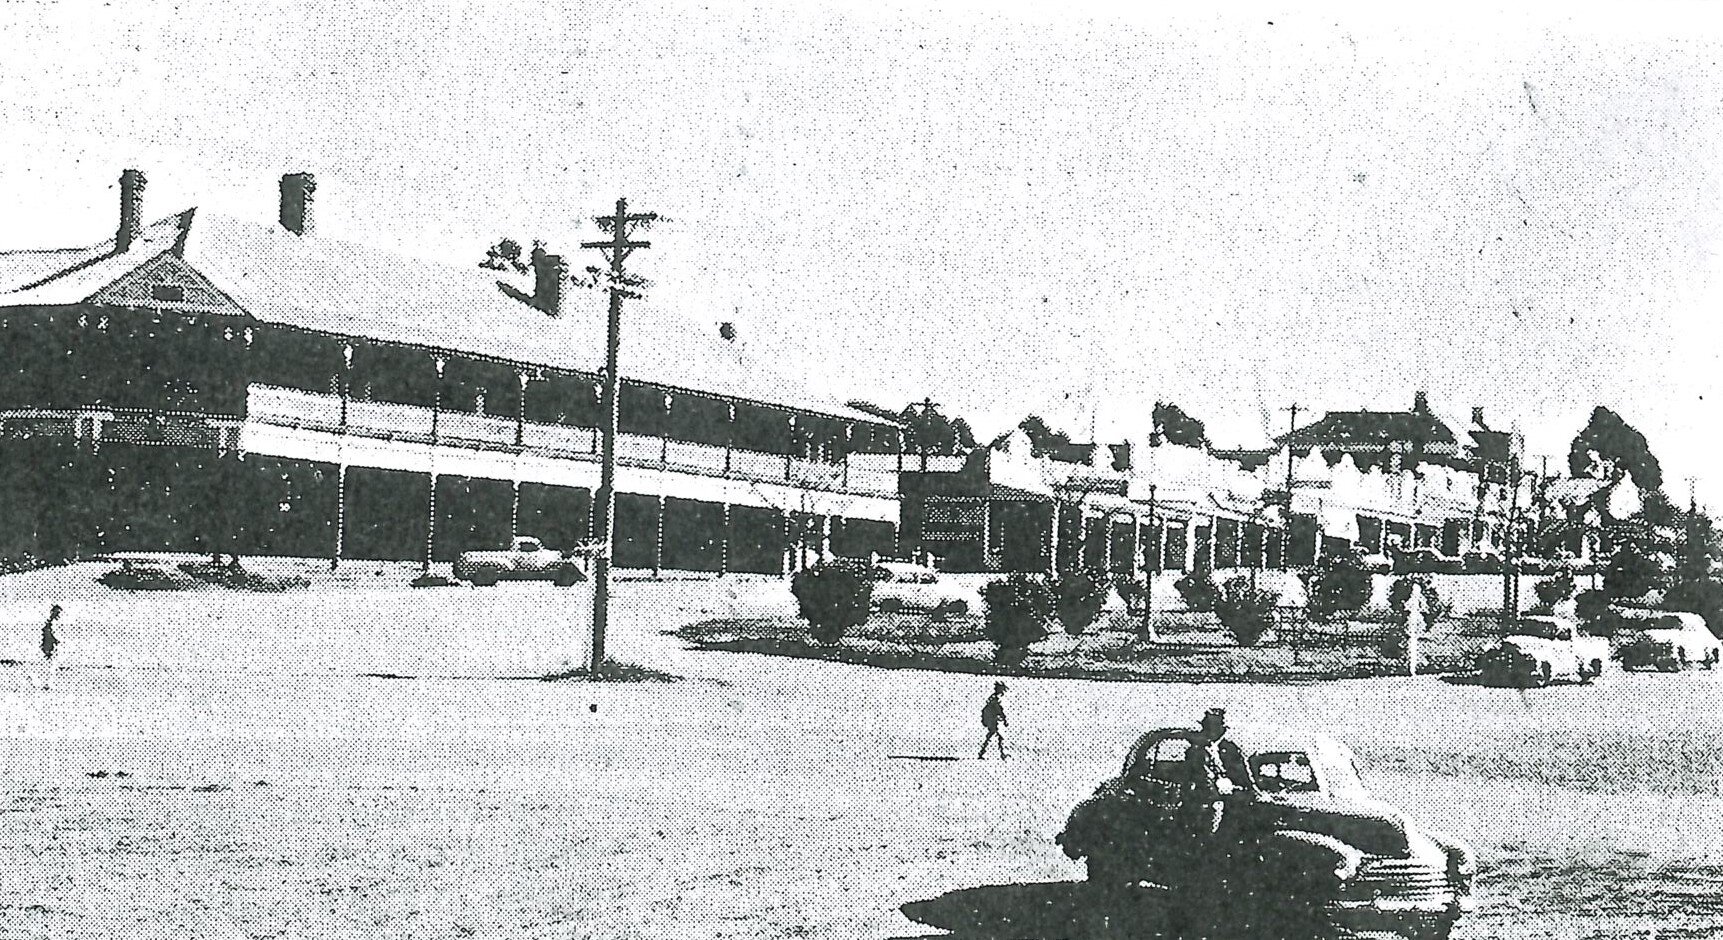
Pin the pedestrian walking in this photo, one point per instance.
(993, 718)
(50, 645)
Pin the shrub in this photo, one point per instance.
(1556, 589)
(1198, 590)
(1131, 591)
(1631, 574)
(832, 598)
(1400, 598)
(1339, 585)
(1246, 612)
(1078, 597)
(1017, 610)
(131, 577)
(1596, 615)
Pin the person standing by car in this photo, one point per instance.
(50, 645)
(1216, 772)
(993, 718)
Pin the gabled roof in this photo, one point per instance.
(1371, 429)
(347, 289)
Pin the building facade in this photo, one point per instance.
(203, 383)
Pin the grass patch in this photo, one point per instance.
(614, 671)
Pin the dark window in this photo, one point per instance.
(167, 292)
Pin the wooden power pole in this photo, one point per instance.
(616, 250)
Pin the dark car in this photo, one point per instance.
(1304, 840)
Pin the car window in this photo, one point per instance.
(1165, 761)
(530, 545)
(1284, 772)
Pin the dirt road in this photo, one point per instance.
(759, 797)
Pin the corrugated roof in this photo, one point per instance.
(344, 288)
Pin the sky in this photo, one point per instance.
(1071, 209)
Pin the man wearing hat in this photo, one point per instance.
(1216, 771)
(992, 718)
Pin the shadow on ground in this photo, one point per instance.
(1064, 910)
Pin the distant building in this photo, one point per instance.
(203, 383)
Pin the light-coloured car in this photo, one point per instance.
(527, 559)
(904, 586)
(1666, 640)
(1302, 836)
(1541, 650)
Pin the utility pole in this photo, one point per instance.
(1151, 565)
(616, 250)
(1291, 429)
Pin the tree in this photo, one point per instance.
(1043, 440)
(1018, 607)
(1631, 574)
(1079, 595)
(926, 429)
(1608, 445)
(1246, 612)
(832, 599)
(1173, 426)
(505, 255)
(1339, 585)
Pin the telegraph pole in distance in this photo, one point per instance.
(615, 250)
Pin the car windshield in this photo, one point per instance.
(530, 545)
(1284, 772)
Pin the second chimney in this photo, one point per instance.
(550, 276)
(297, 190)
(131, 228)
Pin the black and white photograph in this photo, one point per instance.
(830, 469)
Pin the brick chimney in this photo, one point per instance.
(1478, 416)
(297, 191)
(1421, 402)
(549, 279)
(131, 228)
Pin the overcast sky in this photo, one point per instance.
(1010, 208)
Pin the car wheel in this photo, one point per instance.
(1711, 660)
(1545, 674)
(1681, 659)
(486, 577)
(566, 577)
(1596, 669)
(957, 608)
(890, 605)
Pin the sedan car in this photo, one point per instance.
(903, 586)
(1542, 649)
(1303, 836)
(1666, 640)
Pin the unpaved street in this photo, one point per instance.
(759, 797)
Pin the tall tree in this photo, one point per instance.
(1607, 445)
(1043, 440)
(1174, 426)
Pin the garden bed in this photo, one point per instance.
(1191, 648)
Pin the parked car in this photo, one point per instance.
(903, 586)
(1668, 641)
(1305, 839)
(525, 560)
(1542, 649)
